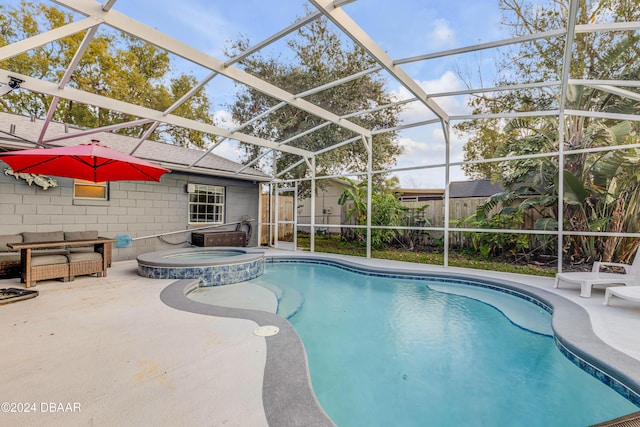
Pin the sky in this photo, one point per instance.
(403, 28)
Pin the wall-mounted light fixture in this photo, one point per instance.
(14, 83)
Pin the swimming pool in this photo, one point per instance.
(402, 351)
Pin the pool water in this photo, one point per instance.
(205, 255)
(401, 352)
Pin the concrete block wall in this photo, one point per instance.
(134, 208)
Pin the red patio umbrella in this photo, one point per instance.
(91, 162)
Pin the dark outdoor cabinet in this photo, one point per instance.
(219, 238)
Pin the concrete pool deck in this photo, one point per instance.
(109, 351)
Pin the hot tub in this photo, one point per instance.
(214, 266)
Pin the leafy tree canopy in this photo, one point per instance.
(322, 57)
(599, 187)
(114, 65)
(596, 55)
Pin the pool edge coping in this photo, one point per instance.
(157, 258)
(288, 402)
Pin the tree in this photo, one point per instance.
(322, 57)
(596, 55)
(120, 67)
(386, 210)
(589, 193)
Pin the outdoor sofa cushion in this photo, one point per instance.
(9, 256)
(81, 235)
(37, 261)
(81, 263)
(42, 236)
(45, 236)
(9, 238)
(84, 256)
(52, 251)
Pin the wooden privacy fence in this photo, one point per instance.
(434, 214)
(285, 213)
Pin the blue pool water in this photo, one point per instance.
(401, 352)
(205, 255)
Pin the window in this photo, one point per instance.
(206, 204)
(90, 190)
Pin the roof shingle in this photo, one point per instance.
(16, 128)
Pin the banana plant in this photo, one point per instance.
(620, 171)
(386, 210)
(356, 193)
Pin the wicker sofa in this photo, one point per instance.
(9, 258)
(58, 262)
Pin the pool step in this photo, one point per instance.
(277, 290)
(525, 315)
(290, 300)
(290, 303)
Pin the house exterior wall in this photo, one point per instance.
(134, 208)
(327, 211)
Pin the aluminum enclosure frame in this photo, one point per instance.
(97, 14)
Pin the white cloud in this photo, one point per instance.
(425, 145)
(417, 112)
(421, 152)
(431, 35)
(446, 83)
(428, 148)
(229, 150)
(223, 119)
(442, 33)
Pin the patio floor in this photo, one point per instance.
(110, 347)
(108, 351)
